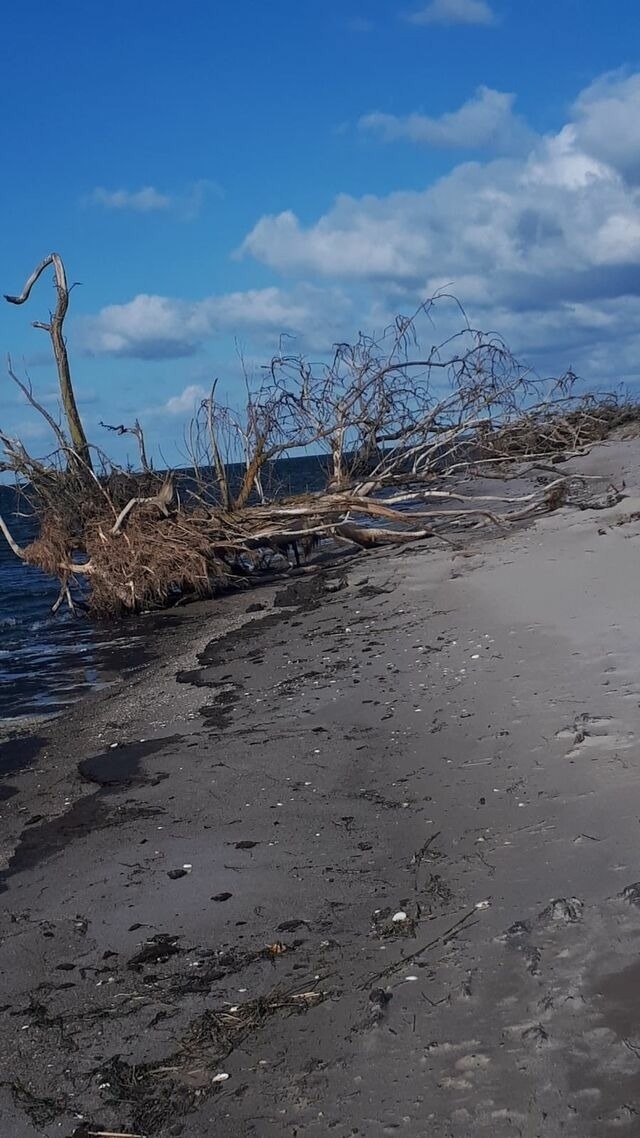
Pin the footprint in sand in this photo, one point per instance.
(602, 733)
(623, 666)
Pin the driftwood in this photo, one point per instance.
(403, 433)
(162, 500)
(372, 536)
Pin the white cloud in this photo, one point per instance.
(543, 246)
(186, 402)
(365, 241)
(160, 327)
(542, 241)
(455, 12)
(186, 204)
(607, 122)
(192, 201)
(146, 200)
(486, 120)
(148, 327)
(555, 214)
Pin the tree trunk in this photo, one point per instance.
(56, 331)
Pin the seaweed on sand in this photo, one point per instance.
(155, 1093)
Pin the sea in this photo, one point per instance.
(50, 661)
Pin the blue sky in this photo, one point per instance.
(220, 171)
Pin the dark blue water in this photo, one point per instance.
(49, 661)
(46, 661)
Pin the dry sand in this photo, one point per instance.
(452, 738)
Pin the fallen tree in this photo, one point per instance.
(404, 433)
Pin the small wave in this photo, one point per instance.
(36, 625)
(8, 622)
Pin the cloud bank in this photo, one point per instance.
(554, 229)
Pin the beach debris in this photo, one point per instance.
(448, 935)
(562, 909)
(425, 851)
(631, 893)
(277, 948)
(483, 904)
(291, 926)
(537, 1034)
(84, 1132)
(246, 845)
(174, 874)
(212, 966)
(222, 896)
(517, 930)
(157, 950)
(157, 1092)
(379, 998)
(386, 923)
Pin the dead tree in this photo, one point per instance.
(81, 451)
(398, 427)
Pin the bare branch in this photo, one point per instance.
(138, 433)
(29, 396)
(13, 545)
(162, 500)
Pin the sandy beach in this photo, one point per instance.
(357, 855)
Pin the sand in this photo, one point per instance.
(392, 819)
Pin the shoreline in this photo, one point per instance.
(181, 638)
(370, 854)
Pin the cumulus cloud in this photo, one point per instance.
(541, 244)
(486, 120)
(186, 402)
(160, 327)
(524, 226)
(607, 122)
(364, 238)
(547, 239)
(147, 328)
(455, 12)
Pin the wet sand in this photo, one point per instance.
(366, 864)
